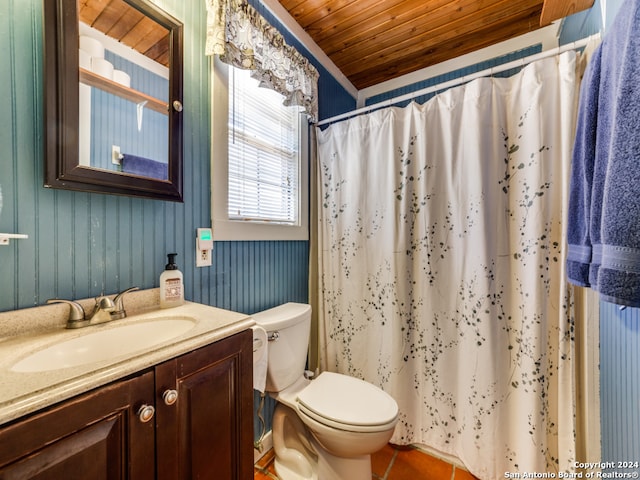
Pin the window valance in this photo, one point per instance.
(243, 38)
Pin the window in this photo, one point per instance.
(263, 153)
(259, 167)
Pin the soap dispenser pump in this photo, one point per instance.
(171, 284)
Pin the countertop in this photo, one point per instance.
(25, 332)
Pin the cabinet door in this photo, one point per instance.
(208, 432)
(94, 436)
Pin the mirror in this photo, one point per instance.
(113, 98)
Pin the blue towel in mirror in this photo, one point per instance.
(145, 167)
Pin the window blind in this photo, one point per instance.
(263, 153)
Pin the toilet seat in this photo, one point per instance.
(347, 403)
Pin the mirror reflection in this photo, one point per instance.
(124, 90)
(108, 128)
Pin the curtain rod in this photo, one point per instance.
(464, 79)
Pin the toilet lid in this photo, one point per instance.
(347, 400)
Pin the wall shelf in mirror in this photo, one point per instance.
(110, 86)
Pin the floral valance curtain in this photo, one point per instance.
(243, 38)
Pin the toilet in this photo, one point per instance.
(325, 428)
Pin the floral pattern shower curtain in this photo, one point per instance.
(442, 270)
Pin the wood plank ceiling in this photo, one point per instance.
(120, 21)
(372, 41)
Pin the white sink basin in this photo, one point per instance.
(104, 344)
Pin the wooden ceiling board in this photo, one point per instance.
(289, 4)
(401, 44)
(89, 10)
(434, 54)
(146, 34)
(407, 37)
(118, 23)
(126, 24)
(310, 12)
(325, 21)
(362, 19)
(365, 30)
(372, 41)
(159, 50)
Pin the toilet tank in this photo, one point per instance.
(288, 327)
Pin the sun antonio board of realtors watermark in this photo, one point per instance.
(571, 475)
(593, 470)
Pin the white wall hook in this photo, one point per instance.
(4, 237)
(139, 112)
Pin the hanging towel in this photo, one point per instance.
(260, 358)
(584, 150)
(613, 209)
(144, 167)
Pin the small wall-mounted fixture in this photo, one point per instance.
(204, 246)
(5, 237)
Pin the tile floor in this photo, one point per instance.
(390, 463)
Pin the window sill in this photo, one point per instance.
(230, 230)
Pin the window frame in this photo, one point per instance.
(224, 228)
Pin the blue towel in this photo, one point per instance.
(613, 192)
(580, 213)
(144, 167)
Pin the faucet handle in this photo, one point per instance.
(76, 312)
(119, 311)
(105, 303)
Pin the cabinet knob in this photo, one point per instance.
(145, 413)
(170, 397)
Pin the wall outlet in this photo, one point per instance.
(203, 257)
(204, 247)
(116, 156)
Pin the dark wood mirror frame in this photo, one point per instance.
(61, 92)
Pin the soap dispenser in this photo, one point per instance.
(171, 284)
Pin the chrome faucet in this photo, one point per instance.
(104, 310)
(101, 311)
(119, 312)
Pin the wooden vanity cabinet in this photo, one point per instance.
(94, 436)
(206, 433)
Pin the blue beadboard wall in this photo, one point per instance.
(118, 123)
(81, 244)
(582, 24)
(620, 385)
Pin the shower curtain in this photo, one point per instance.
(441, 273)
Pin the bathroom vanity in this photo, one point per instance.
(181, 409)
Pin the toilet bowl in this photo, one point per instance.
(326, 428)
